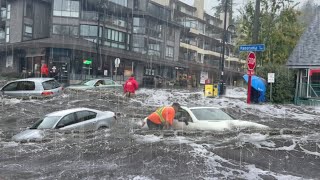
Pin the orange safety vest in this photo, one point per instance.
(158, 116)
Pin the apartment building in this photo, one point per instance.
(150, 37)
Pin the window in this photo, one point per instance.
(154, 29)
(120, 2)
(154, 48)
(116, 21)
(139, 25)
(109, 82)
(2, 34)
(28, 8)
(3, 13)
(169, 51)
(66, 121)
(85, 115)
(65, 30)
(51, 84)
(66, 8)
(8, 11)
(139, 44)
(7, 34)
(26, 86)
(89, 30)
(28, 30)
(11, 87)
(116, 39)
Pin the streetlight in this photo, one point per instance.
(221, 83)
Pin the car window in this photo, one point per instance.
(85, 115)
(46, 123)
(67, 120)
(183, 114)
(11, 87)
(109, 82)
(210, 114)
(51, 84)
(100, 82)
(88, 82)
(26, 86)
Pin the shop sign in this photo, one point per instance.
(203, 77)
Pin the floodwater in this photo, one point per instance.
(290, 150)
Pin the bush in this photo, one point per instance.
(283, 89)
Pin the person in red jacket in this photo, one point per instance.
(44, 71)
(130, 86)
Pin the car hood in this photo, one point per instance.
(30, 134)
(220, 125)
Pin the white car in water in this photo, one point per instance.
(208, 119)
(81, 119)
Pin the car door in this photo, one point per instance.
(87, 120)
(183, 120)
(68, 122)
(10, 89)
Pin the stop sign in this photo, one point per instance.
(251, 61)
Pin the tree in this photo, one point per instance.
(280, 31)
(220, 9)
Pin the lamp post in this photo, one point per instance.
(225, 31)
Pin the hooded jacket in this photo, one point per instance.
(131, 85)
(45, 70)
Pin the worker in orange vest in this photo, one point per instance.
(162, 117)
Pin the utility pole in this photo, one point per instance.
(98, 39)
(223, 47)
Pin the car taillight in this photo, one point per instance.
(47, 93)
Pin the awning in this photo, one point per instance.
(313, 71)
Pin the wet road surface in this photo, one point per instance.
(291, 150)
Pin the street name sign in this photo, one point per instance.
(252, 47)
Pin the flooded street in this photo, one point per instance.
(289, 150)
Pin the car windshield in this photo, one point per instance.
(88, 82)
(47, 123)
(210, 114)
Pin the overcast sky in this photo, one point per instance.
(238, 4)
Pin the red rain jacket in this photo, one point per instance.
(131, 85)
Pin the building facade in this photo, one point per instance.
(80, 39)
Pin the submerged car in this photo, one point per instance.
(81, 119)
(32, 87)
(209, 119)
(96, 84)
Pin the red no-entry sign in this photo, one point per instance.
(251, 61)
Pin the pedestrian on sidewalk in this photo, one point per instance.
(130, 87)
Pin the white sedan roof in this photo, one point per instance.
(201, 107)
(68, 111)
(36, 79)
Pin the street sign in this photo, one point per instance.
(117, 62)
(251, 61)
(252, 47)
(270, 77)
(87, 61)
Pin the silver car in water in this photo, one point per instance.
(97, 84)
(32, 87)
(81, 119)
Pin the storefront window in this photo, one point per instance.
(66, 8)
(2, 34)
